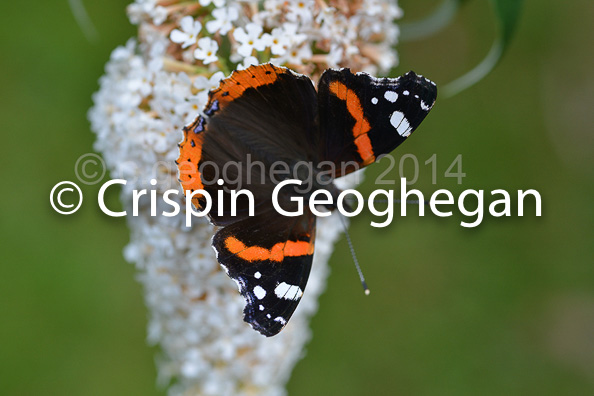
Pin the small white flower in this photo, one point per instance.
(189, 108)
(273, 7)
(294, 56)
(140, 80)
(188, 34)
(142, 10)
(278, 41)
(247, 62)
(300, 9)
(217, 3)
(249, 39)
(298, 55)
(387, 60)
(137, 11)
(374, 7)
(204, 85)
(159, 15)
(201, 82)
(207, 50)
(223, 20)
(291, 32)
(335, 55)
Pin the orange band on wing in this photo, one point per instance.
(365, 149)
(253, 77)
(190, 153)
(277, 253)
(362, 127)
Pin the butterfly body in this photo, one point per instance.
(265, 125)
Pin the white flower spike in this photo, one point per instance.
(151, 88)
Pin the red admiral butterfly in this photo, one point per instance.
(265, 115)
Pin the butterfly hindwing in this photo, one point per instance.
(363, 117)
(269, 257)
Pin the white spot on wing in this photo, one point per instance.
(424, 106)
(374, 100)
(400, 123)
(405, 93)
(257, 275)
(288, 292)
(261, 307)
(280, 320)
(391, 96)
(259, 292)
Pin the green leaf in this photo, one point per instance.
(508, 12)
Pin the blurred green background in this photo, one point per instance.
(505, 308)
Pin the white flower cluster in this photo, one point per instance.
(156, 84)
(308, 35)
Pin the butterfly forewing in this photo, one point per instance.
(363, 117)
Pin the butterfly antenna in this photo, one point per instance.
(348, 237)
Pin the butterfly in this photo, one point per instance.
(266, 119)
